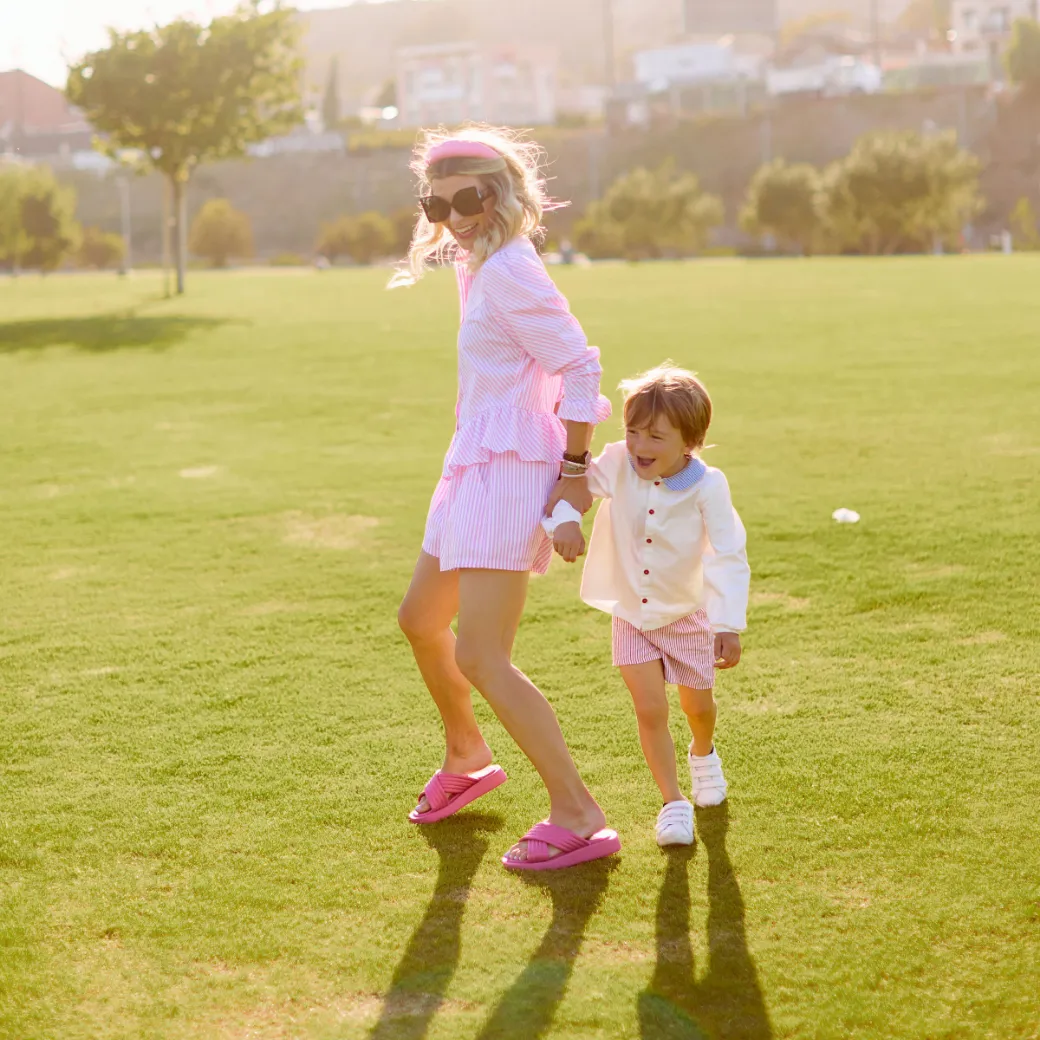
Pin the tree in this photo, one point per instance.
(404, 221)
(330, 108)
(813, 24)
(784, 201)
(182, 94)
(651, 213)
(37, 219)
(372, 238)
(923, 16)
(1023, 55)
(334, 238)
(101, 249)
(1025, 229)
(13, 242)
(219, 231)
(901, 191)
(387, 96)
(365, 238)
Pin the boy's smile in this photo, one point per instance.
(657, 451)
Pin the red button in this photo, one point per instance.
(646, 572)
(657, 483)
(651, 512)
(644, 601)
(649, 541)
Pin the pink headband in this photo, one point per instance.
(460, 148)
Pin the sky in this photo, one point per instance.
(42, 36)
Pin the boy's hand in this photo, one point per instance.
(569, 542)
(571, 489)
(727, 649)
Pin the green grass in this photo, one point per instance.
(212, 729)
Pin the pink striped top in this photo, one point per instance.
(521, 354)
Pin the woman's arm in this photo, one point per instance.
(529, 304)
(541, 322)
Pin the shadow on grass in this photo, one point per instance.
(527, 1009)
(103, 332)
(727, 1003)
(431, 957)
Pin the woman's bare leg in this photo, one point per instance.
(490, 607)
(429, 607)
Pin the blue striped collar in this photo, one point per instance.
(690, 475)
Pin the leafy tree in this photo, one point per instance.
(387, 97)
(404, 221)
(900, 191)
(811, 24)
(372, 239)
(219, 231)
(12, 234)
(364, 239)
(101, 249)
(182, 94)
(1023, 54)
(784, 201)
(334, 238)
(650, 213)
(927, 16)
(1025, 228)
(37, 219)
(330, 107)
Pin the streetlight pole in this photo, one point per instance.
(124, 207)
(875, 31)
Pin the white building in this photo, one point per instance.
(665, 67)
(835, 76)
(986, 24)
(457, 82)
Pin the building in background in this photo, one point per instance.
(457, 82)
(36, 122)
(986, 24)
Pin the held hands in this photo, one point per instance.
(571, 489)
(569, 542)
(727, 648)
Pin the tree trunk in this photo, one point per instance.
(180, 226)
(167, 193)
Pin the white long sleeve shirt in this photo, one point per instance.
(662, 549)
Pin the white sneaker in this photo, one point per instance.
(675, 824)
(709, 785)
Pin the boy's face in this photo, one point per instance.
(657, 450)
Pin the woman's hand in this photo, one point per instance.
(569, 542)
(571, 489)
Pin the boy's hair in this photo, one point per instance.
(676, 394)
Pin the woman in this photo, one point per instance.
(528, 403)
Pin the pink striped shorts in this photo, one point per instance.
(686, 648)
(489, 516)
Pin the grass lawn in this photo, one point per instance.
(212, 729)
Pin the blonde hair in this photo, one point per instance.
(676, 394)
(515, 181)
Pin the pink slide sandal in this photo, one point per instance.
(573, 849)
(447, 793)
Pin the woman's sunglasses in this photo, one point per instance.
(469, 202)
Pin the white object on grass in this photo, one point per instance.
(846, 516)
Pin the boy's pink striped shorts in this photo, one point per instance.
(686, 648)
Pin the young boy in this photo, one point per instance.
(667, 559)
